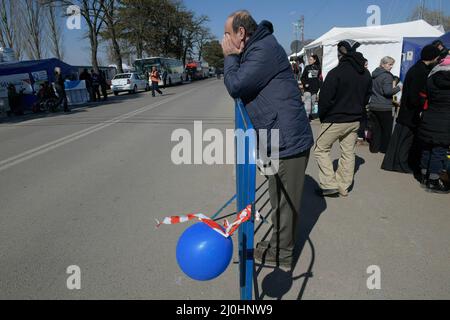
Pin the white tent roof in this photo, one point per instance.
(298, 54)
(373, 34)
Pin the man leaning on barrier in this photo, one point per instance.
(257, 71)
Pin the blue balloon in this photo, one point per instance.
(202, 253)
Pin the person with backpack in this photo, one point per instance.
(434, 129)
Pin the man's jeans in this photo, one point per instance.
(433, 160)
(309, 100)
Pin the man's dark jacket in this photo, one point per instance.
(412, 101)
(262, 77)
(346, 91)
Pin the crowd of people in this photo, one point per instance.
(94, 83)
(394, 113)
(353, 105)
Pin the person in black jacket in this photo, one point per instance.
(434, 129)
(403, 154)
(311, 81)
(95, 85)
(381, 103)
(257, 71)
(87, 78)
(60, 89)
(345, 92)
(103, 85)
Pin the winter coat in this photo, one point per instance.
(413, 97)
(312, 78)
(434, 127)
(263, 78)
(383, 90)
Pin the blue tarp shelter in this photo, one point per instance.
(37, 70)
(412, 48)
(31, 66)
(446, 39)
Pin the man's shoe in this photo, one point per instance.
(267, 258)
(330, 193)
(437, 186)
(343, 193)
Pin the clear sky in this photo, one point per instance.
(320, 16)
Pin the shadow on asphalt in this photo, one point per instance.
(359, 162)
(278, 283)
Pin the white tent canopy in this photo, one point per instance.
(376, 42)
(298, 54)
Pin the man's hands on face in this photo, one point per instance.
(229, 48)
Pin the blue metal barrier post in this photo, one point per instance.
(246, 191)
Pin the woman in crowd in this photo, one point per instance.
(381, 103)
(434, 129)
(312, 81)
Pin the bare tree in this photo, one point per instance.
(34, 27)
(111, 20)
(6, 28)
(203, 37)
(54, 25)
(10, 28)
(194, 34)
(94, 16)
(433, 17)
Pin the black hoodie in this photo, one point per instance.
(346, 91)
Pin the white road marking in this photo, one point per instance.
(29, 154)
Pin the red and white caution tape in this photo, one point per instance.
(227, 230)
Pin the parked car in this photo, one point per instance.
(131, 82)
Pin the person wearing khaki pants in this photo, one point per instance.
(344, 95)
(346, 134)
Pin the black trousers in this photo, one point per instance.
(62, 99)
(363, 125)
(380, 123)
(104, 92)
(96, 92)
(155, 87)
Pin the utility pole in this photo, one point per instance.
(299, 31)
(302, 28)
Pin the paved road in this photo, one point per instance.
(85, 188)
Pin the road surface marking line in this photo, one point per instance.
(24, 156)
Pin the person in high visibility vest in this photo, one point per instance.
(154, 78)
